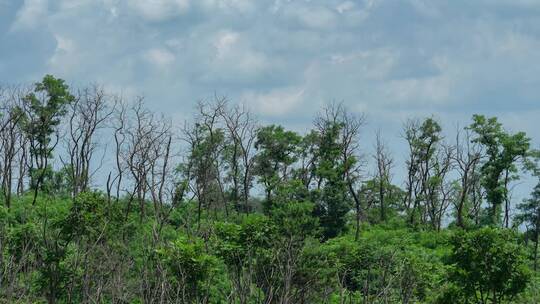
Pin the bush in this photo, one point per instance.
(488, 265)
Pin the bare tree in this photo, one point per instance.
(440, 191)
(241, 132)
(119, 125)
(87, 114)
(11, 138)
(147, 142)
(384, 164)
(160, 180)
(467, 158)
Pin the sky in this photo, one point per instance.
(389, 59)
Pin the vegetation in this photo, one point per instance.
(104, 201)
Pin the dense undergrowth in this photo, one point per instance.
(89, 250)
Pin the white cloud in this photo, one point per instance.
(374, 64)
(65, 56)
(315, 17)
(230, 49)
(284, 58)
(242, 6)
(418, 91)
(225, 44)
(32, 14)
(74, 4)
(426, 8)
(381, 56)
(345, 6)
(277, 102)
(517, 45)
(159, 57)
(159, 10)
(232, 59)
(64, 44)
(114, 12)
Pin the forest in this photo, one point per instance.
(105, 201)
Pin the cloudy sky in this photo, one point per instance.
(388, 59)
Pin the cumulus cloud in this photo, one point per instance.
(391, 59)
(159, 10)
(285, 58)
(315, 16)
(277, 102)
(243, 6)
(159, 57)
(32, 14)
(345, 6)
(65, 48)
(231, 50)
(230, 58)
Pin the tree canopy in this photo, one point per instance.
(105, 201)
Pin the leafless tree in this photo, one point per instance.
(146, 154)
(86, 116)
(384, 164)
(11, 138)
(467, 158)
(440, 191)
(241, 132)
(119, 119)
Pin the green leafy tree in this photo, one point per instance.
(201, 170)
(52, 250)
(191, 269)
(503, 150)
(370, 195)
(331, 196)
(384, 267)
(530, 215)
(292, 215)
(240, 246)
(426, 167)
(277, 151)
(43, 110)
(488, 265)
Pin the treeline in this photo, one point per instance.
(104, 201)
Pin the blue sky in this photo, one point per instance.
(389, 59)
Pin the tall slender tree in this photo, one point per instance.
(502, 152)
(43, 110)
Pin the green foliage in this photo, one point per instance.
(530, 216)
(260, 214)
(369, 193)
(44, 112)
(488, 265)
(277, 151)
(251, 258)
(292, 212)
(189, 265)
(503, 151)
(332, 198)
(237, 243)
(387, 266)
